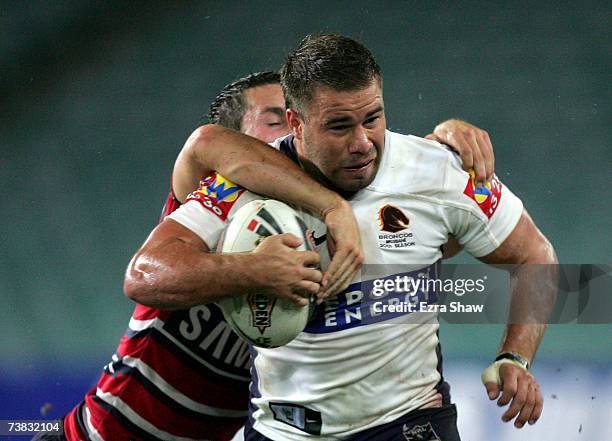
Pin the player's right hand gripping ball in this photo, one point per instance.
(261, 320)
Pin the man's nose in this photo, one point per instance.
(360, 143)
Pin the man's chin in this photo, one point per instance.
(350, 186)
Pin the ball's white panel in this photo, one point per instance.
(261, 320)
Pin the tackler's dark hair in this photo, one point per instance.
(229, 107)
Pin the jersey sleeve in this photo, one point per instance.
(172, 203)
(207, 209)
(481, 218)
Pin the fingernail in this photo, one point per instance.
(531, 422)
(491, 395)
(518, 425)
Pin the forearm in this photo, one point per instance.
(175, 275)
(534, 289)
(523, 339)
(251, 164)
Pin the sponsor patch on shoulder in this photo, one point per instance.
(217, 194)
(486, 197)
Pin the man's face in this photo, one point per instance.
(341, 135)
(265, 115)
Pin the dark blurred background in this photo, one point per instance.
(97, 98)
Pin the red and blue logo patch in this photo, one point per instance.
(217, 194)
(487, 197)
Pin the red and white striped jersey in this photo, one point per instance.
(176, 375)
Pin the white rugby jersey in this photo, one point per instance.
(353, 367)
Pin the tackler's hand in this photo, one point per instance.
(344, 244)
(472, 143)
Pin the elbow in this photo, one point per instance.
(538, 248)
(200, 139)
(215, 147)
(134, 287)
(204, 143)
(548, 253)
(542, 252)
(205, 134)
(144, 287)
(130, 289)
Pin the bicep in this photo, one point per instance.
(170, 231)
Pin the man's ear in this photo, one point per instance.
(295, 123)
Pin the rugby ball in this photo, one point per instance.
(264, 321)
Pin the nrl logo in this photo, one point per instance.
(420, 433)
(261, 310)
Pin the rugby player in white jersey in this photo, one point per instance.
(353, 374)
(142, 392)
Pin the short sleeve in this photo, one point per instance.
(202, 222)
(207, 209)
(481, 218)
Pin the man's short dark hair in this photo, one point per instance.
(229, 107)
(330, 60)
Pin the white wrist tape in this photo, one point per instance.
(491, 374)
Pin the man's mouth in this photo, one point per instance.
(359, 167)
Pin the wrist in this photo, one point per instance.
(243, 267)
(334, 202)
(515, 357)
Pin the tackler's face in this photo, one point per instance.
(265, 118)
(341, 134)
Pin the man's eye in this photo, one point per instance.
(273, 124)
(339, 128)
(371, 121)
